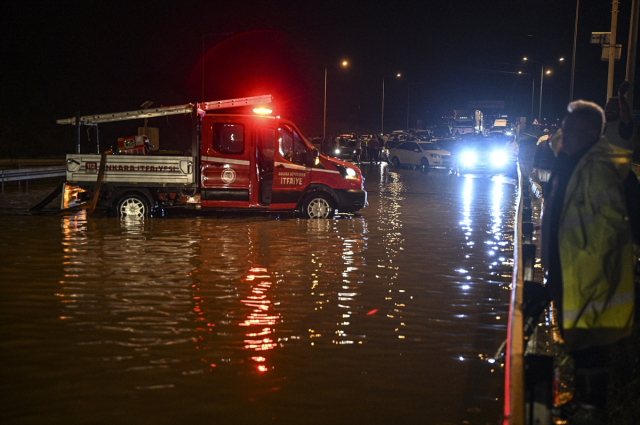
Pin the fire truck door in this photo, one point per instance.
(292, 173)
(226, 163)
(265, 144)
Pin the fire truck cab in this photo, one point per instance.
(263, 162)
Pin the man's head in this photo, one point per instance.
(545, 131)
(582, 126)
(612, 109)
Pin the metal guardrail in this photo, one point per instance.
(29, 174)
(514, 354)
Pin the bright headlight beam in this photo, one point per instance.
(498, 158)
(468, 158)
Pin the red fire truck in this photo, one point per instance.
(243, 162)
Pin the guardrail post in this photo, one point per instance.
(527, 232)
(528, 260)
(538, 377)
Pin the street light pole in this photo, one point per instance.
(540, 105)
(612, 48)
(573, 59)
(541, 83)
(408, 93)
(324, 125)
(533, 88)
(382, 123)
(398, 75)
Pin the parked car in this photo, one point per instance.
(441, 132)
(384, 153)
(347, 147)
(425, 154)
(423, 135)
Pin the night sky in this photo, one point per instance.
(59, 57)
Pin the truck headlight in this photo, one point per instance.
(337, 151)
(346, 172)
(498, 158)
(468, 159)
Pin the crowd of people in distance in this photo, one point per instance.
(367, 147)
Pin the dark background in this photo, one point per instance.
(59, 57)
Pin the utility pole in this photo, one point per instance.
(612, 48)
(633, 43)
(573, 59)
(382, 119)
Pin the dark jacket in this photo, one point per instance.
(544, 157)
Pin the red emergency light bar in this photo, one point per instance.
(262, 111)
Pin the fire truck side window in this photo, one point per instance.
(265, 140)
(292, 147)
(228, 138)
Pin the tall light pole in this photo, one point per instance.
(398, 75)
(573, 58)
(382, 121)
(324, 125)
(612, 48)
(541, 83)
(408, 92)
(533, 86)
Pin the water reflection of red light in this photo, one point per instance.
(259, 302)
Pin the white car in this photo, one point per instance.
(425, 154)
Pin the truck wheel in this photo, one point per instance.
(133, 205)
(318, 205)
(395, 161)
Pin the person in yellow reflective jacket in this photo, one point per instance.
(587, 250)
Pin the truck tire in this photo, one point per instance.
(133, 205)
(318, 205)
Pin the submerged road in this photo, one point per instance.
(389, 316)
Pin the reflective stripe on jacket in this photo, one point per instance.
(596, 253)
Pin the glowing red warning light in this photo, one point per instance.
(262, 111)
(372, 312)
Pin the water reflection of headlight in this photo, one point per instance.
(498, 158)
(468, 158)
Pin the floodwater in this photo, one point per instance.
(386, 317)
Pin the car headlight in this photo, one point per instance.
(337, 151)
(508, 133)
(498, 158)
(346, 172)
(468, 159)
(434, 155)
